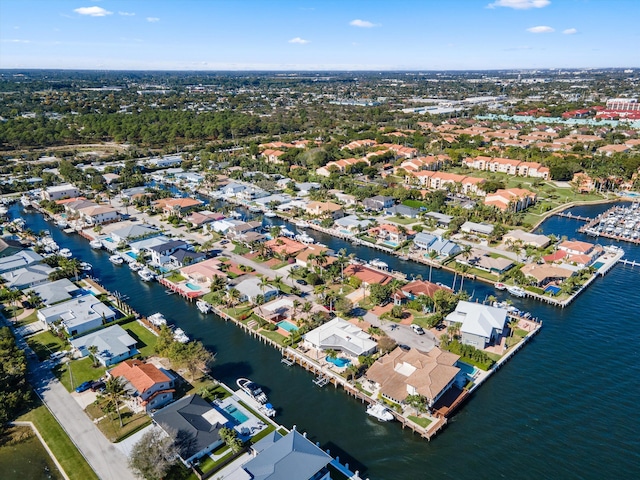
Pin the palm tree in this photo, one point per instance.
(92, 352)
(234, 296)
(264, 283)
(463, 271)
(513, 323)
(296, 305)
(321, 260)
(114, 388)
(432, 256)
(13, 296)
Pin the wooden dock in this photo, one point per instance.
(573, 217)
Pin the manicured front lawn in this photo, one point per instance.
(32, 317)
(132, 422)
(275, 336)
(82, 370)
(175, 278)
(404, 220)
(423, 422)
(45, 343)
(146, 339)
(71, 460)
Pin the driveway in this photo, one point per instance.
(403, 334)
(107, 461)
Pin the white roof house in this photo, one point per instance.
(55, 292)
(19, 260)
(250, 288)
(114, 345)
(28, 276)
(338, 334)
(78, 315)
(480, 323)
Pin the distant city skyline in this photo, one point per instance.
(319, 35)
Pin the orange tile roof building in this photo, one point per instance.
(148, 386)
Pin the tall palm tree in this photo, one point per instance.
(13, 296)
(432, 256)
(463, 271)
(234, 296)
(114, 388)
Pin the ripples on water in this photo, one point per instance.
(564, 407)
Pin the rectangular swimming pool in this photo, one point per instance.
(288, 326)
(470, 370)
(237, 415)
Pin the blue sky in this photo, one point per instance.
(319, 34)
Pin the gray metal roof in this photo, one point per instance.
(54, 292)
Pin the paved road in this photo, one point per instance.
(107, 461)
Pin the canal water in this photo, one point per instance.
(564, 407)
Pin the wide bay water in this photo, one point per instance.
(563, 407)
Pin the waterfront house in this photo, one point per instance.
(481, 324)
(368, 276)
(133, 231)
(546, 274)
(576, 247)
(232, 189)
(285, 247)
(414, 289)
(138, 246)
(51, 293)
(242, 228)
(147, 385)
(114, 345)
(165, 161)
(161, 254)
(378, 203)
(249, 288)
(390, 234)
(57, 192)
(77, 315)
(99, 214)
(27, 277)
(197, 419)
(400, 373)
(183, 257)
(203, 273)
(441, 246)
(342, 336)
(352, 224)
(478, 258)
(20, 259)
(290, 457)
(424, 240)
(279, 309)
(271, 200)
(324, 209)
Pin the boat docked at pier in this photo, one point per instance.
(95, 244)
(66, 253)
(157, 319)
(86, 266)
(203, 306)
(25, 201)
(304, 238)
(135, 266)
(377, 263)
(116, 259)
(301, 224)
(180, 336)
(516, 291)
(252, 389)
(146, 275)
(268, 410)
(269, 214)
(500, 286)
(379, 411)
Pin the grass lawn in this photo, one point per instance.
(33, 317)
(11, 311)
(280, 265)
(132, 422)
(275, 336)
(72, 461)
(146, 339)
(241, 249)
(82, 370)
(423, 422)
(175, 278)
(45, 343)
(420, 319)
(404, 220)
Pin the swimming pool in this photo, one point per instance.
(390, 243)
(131, 254)
(108, 239)
(470, 370)
(237, 415)
(288, 326)
(597, 265)
(191, 286)
(338, 361)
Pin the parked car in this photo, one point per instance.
(404, 347)
(83, 387)
(59, 355)
(98, 385)
(417, 328)
(301, 281)
(224, 242)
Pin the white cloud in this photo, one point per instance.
(570, 31)
(363, 23)
(540, 29)
(126, 14)
(93, 11)
(15, 40)
(153, 19)
(519, 4)
(299, 41)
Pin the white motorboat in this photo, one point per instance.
(135, 266)
(157, 319)
(516, 291)
(86, 266)
(62, 223)
(376, 262)
(284, 231)
(302, 224)
(304, 238)
(146, 275)
(269, 214)
(66, 253)
(253, 390)
(379, 411)
(500, 286)
(204, 307)
(180, 336)
(25, 201)
(116, 259)
(268, 410)
(96, 244)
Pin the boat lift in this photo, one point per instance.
(321, 380)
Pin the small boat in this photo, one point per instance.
(135, 266)
(500, 286)
(252, 390)
(95, 244)
(146, 275)
(180, 336)
(286, 232)
(516, 291)
(116, 259)
(203, 306)
(379, 411)
(254, 209)
(62, 223)
(25, 201)
(157, 319)
(268, 410)
(376, 262)
(169, 292)
(304, 238)
(269, 214)
(302, 224)
(86, 266)
(66, 253)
